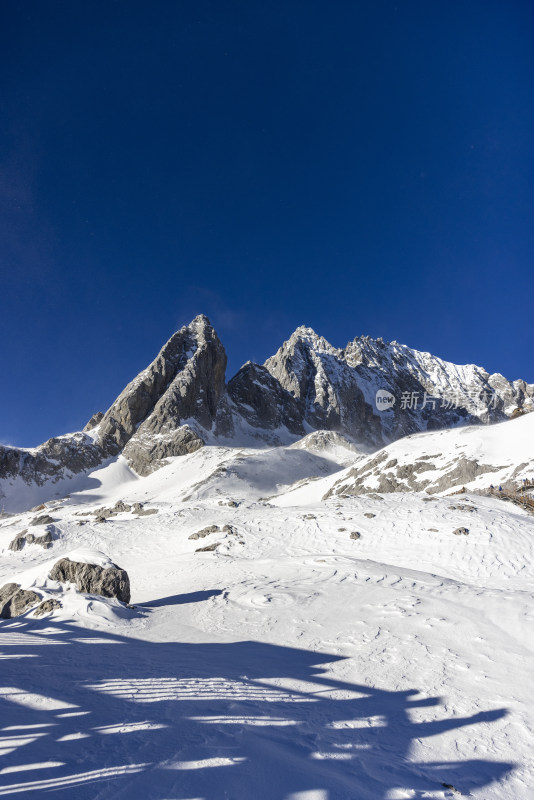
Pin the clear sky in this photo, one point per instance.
(361, 167)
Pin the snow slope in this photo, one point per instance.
(476, 457)
(293, 661)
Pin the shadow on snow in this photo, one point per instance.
(180, 599)
(89, 714)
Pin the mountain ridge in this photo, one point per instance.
(181, 401)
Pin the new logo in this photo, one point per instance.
(384, 400)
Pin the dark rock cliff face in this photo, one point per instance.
(263, 402)
(184, 382)
(55, 459)
(174, 398)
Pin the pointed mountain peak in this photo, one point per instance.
(183, 383)
(200, 321)
(310, 338)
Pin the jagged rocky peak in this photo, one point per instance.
(317, 375)
(175, 398)
(337, 387)
(179, 402)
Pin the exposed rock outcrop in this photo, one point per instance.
(263, 402)
(18, 542)
(95, 420)
(24, 538)
(44, 519)
(46, 607)
(146, 453)
(93, 579)
(204, 532)
(230, 529)
(184, 383)
(60, 457)
(15, 601)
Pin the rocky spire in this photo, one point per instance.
(183, 384)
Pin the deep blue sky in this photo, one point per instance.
(359, 167)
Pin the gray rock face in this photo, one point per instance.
(184, 382)
(146, 453)
(95, 420)
(461, 532)
(325, 386)
(57, 458)
(24, 538)
(92, 579)
(18, 542)
(337, 388)
(15, 601)
(44, 519)
(46, 607)
(262, 401)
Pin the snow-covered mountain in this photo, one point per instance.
(264, 589)
(306, 622)
(337, 389)
(371, 392)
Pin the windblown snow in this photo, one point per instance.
(339, 639)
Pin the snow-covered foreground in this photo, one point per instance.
(292, 661)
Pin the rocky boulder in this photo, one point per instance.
(24, 538)
(204, 532)
(44, 519)
(93, 579)
(46, 607)
(15, 601)
(461, 532)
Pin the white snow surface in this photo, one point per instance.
(292, 662)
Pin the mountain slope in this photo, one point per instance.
(289, 659)
(475, 457)
(180, 402)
